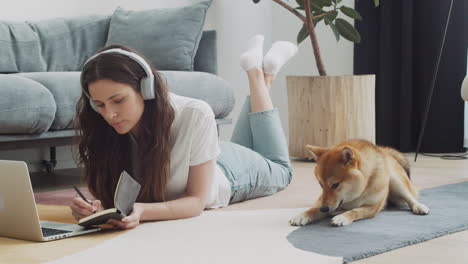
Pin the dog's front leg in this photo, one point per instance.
(311, 215)
(363, 212)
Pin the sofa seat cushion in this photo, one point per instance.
(26, 106)
(65, 89)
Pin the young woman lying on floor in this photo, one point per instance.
(128, 120)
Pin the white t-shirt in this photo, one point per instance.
(195, 140)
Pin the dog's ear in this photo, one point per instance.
(347, 155)
(316, 151)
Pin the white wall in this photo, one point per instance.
(235, 22)
(36, 10)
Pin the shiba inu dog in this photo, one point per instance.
(359, 178)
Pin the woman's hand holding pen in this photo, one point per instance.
(81, 209)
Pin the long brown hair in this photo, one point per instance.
(103, 153)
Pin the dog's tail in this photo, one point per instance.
(400, 158)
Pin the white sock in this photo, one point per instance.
(279, 53)
(253, 57)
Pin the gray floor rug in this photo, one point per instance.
(390, 229)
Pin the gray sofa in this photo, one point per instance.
(41, 62)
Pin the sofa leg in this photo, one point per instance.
(50, 164)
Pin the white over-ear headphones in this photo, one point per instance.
(146, 83)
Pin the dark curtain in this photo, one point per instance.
(400, 44)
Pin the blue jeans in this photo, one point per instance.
(256, 161)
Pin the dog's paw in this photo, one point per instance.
(341, 220)
(420, 209)
(301, 219)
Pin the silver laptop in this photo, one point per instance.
(18, 212)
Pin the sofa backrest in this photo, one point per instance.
(206, 56)
(64, 44)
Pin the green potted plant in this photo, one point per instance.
(324, 110)
(312, 12)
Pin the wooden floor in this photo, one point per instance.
(427, 172)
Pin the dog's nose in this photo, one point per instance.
(324, 209)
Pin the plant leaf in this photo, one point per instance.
(334, 29)
(303, 34)
(335, 2)
(256, 1)
(315, 7)
(351, 12)
(331, 17)
(316, 21)
(300, 3)
(323, 3)
(347, 30)
(376, 3)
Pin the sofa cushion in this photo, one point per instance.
(66, 90)
(204, 86)
(20, 48)
(59, 44)
(167, 37)
(68, 42)
(206, 57)
(25, 106)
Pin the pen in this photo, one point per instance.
(81, 195)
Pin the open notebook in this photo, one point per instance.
(125, 196)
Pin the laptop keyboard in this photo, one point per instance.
(46, 232)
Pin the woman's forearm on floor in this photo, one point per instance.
(184, 207)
